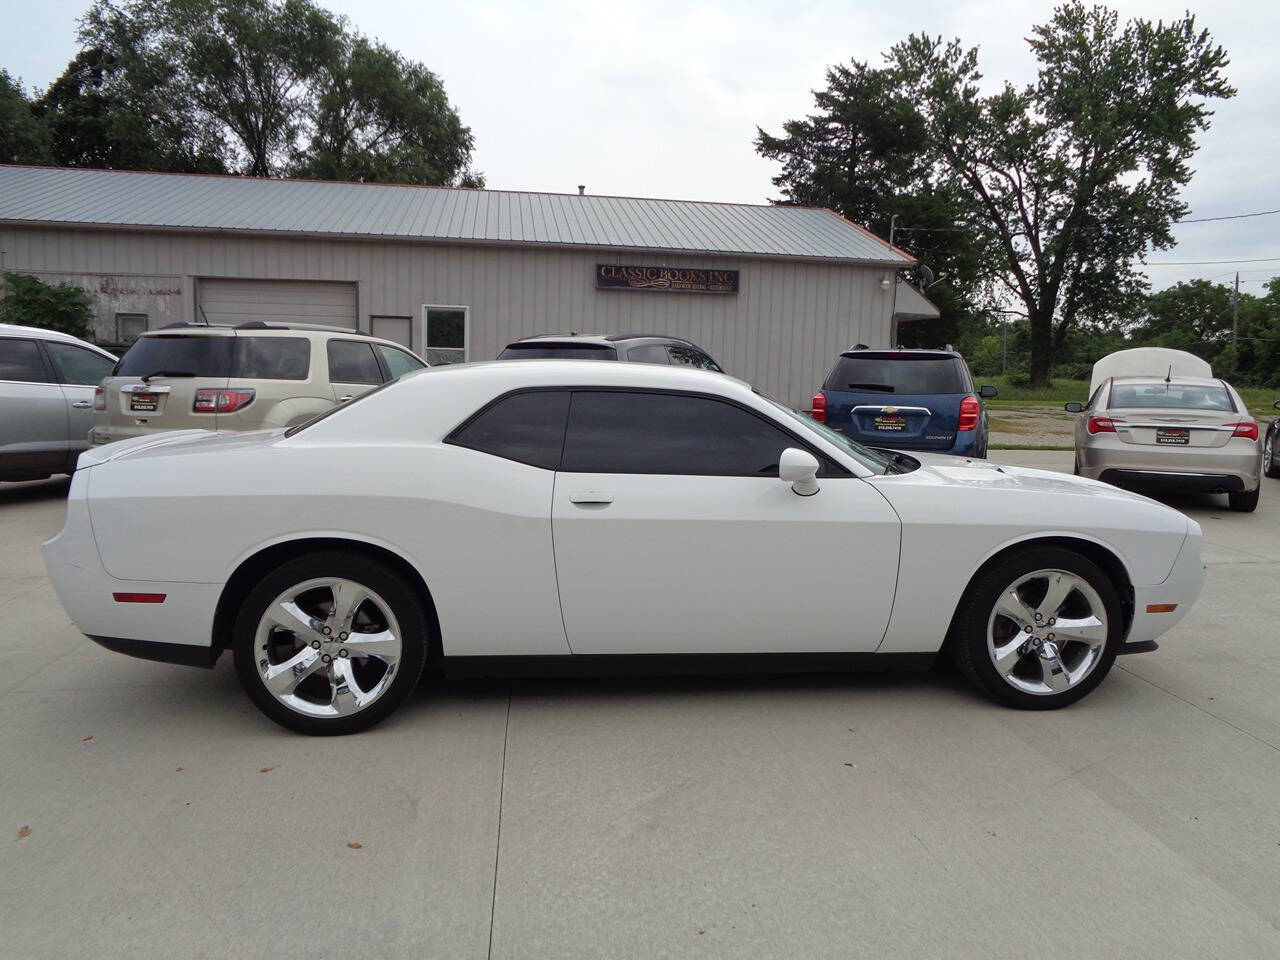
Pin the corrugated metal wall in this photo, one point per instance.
(780, 332)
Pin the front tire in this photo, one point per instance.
(1269, 465)
(330, 643)
(1039, 629)
(1246, 501)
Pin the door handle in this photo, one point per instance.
(590, 496)
(345, 399)
(83, 404)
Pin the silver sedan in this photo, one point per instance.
(1187, 434)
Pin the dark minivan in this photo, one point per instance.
(905, 400)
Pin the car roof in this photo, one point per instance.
(39, 333)
(1181, 381)
(257, 328)
(889, 354)
(590, 373)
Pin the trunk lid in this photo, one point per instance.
(1174, 428)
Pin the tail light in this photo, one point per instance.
(221, 401)
(969, 410)
(99, 398)
(1103, 425)
(1247, 429)
(819, 411)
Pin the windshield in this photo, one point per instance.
(901, 373)
(1171, 396)
(864, 455)
(558, 351)
(193, 356)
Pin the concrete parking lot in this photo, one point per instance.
(880, 815)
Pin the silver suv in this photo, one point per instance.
(253, 376)
(46, 400)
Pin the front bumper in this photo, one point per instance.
(1181, 587)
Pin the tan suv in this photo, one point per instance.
(253, 376)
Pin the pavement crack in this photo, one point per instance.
(497, 846)
(1208, 713)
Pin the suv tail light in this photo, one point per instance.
(969, 410)
(221, 401)
(819, 411)
(1102, 425)
(99, 398)
(1247, 429)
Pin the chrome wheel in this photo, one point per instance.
(1047, 632)
(327, 647)
(1269, 453)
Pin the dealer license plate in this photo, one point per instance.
(891, 423)
(1176, 435)
(144, 402)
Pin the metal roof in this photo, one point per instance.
(126, 199)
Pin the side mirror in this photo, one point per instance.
(1073, 407)
(1276, 404)
(988, 392)
(800, 469)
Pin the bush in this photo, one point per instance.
(30, 302)
(1072, 371)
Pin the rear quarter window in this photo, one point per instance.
(898, 373)
(199, 356)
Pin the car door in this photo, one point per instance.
(353, 368)
(33, 413)
(673, 534)
(78, 371)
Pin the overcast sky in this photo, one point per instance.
(663, 99)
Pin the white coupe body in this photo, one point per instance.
(166, 534)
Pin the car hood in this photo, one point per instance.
(967, 471)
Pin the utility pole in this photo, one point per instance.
(1235, 320)
(893, 224)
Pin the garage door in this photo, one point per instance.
(279, 301)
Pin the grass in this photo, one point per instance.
(1260, 400)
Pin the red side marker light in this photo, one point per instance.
(139, 597)
(1161, 607)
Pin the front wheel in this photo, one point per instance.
(1269, 465)
(1039, 629)
(330, 643)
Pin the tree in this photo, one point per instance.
(111, 111)
(30, 302)
(1075, 176)
(382, 117)
(23, 138)
(283, 87)
(865, 153)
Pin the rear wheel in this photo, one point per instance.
(330, 643)
(1039, 629)
(1269, 465)
(1246, 501)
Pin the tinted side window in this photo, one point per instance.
(272, 358)
(692, 357)
(399, 362)
(668, 434)
(558, 351)
(74, 364)
(353, 361)
(648, 353)
(20, 360)
(526, 427)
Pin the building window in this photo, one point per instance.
(396, 329)
(129, 326)
(446, 334)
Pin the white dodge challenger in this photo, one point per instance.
(588, 517)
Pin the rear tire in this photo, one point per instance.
(1245, 502)
(1270, 466)
(330, 643)
(1048, 666)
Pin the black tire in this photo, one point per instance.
(389, 585)
(1075, 468)
(968, 641)
(1270, 463)
(1245, 501)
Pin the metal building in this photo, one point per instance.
(772, 292)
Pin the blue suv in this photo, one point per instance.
(905, 400)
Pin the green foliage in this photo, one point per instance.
(30, 302)
(261, 87)
(1062, 185)
(23, 138)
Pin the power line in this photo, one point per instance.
(1203, 263)
(1234, 216)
